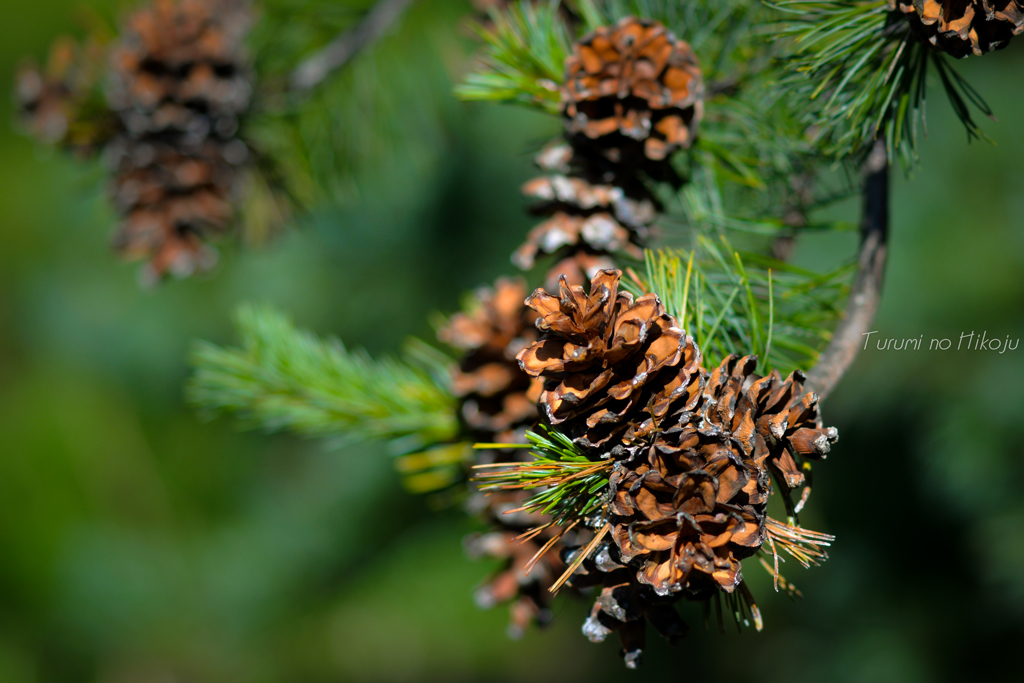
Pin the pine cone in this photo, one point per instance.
(696, 502)
(496, 396)
(611, 365)
(599, 233)
(694, 451)
(578, 268)
(180, 84)
(624, 606)
(54, 103)
(596, 211)
(964, 27)
(525, 588)
(687, 509)
(630, 88)
(498, 403)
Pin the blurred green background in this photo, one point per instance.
(139, 544)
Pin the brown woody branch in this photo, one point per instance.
(339, 51)
(867, 288)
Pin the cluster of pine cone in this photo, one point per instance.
(963, 27)
(633, 94)
(694, 450)
(177, 87)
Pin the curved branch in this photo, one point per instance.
(867, 288)
(339, 51)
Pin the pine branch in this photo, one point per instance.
(862, 75)
(523, 58)
(348, 44)
(284, 379)
(867, 288)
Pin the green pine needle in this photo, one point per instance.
(285, 379)
(862, 74)
(742, 303)
(523, 59)
(570, 486)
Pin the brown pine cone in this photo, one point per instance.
(611, 366)
(596, 211)
(577, 196)
(694, 451)
(578, 268)
(598, 233)
(625, 606)
(688, 508)
(54, 103)
(630, 87)
(496, 396)
(180, 83)
(789, 424)
(696, 502)
(964, 27)
(498, 403)
(525, 588)
(44, 98)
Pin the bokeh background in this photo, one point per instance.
(139, 544)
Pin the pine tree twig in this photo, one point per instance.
(342, 49)
(867, 288)
(285, 379)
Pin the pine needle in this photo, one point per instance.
(285, 379)
(523, 58)
(733, 302)
(570, 489)
(580, 558)
(802, 544)
(860, 74)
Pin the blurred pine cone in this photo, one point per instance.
(497, 398)
(61, 104)
(521, 581)
(633, 95)
(596, 211)
(180, 83)
(694, 451)
(963, 27)
(633, 91)
(498, 402)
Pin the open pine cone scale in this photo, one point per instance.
(964, 27)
